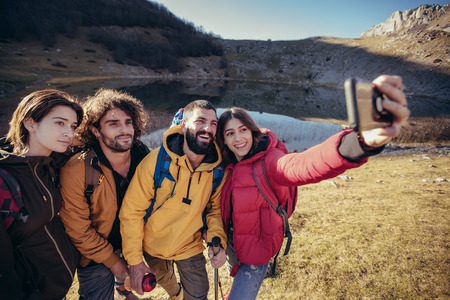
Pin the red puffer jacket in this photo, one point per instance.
(257, 228)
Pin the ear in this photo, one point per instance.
(183, 125)
(29, 124)
(94, 130)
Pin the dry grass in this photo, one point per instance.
(381, 235)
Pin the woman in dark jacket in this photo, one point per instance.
(38, 260)
(254, 228)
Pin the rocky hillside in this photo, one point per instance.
(418, 48)
(414, 44)
(423, 18)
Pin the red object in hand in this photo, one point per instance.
(148, 282)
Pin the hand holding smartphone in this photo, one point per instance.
(364, 106)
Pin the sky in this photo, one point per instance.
(287, 19)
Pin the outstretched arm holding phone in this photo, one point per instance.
(395, 102)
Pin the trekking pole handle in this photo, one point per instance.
(215, 243)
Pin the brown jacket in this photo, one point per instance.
(89, 226)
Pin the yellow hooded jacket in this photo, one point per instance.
(172, 231)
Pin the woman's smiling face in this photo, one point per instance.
(238, 138)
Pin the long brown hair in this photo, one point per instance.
(247, 121)
(36, 106)
(95, 107)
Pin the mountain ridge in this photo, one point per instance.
(413, 20)
(419, 53)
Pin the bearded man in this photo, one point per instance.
(112, 125)
(173, 232)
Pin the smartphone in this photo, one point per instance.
(364, 106)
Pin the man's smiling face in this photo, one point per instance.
(200, 130)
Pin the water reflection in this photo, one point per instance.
(298, 102)
(290, 100)
(297, 135)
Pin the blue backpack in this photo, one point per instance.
(162, 171)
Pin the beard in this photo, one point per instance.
(115, 145)
(200, 148)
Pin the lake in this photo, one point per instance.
(284, 108)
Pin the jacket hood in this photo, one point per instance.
(7, 157)
(173, 140)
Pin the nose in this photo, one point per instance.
(207, 127)
(126, 128)
(69, 132)
(210, 128)
(238, 136)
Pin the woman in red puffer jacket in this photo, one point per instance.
(254, 228)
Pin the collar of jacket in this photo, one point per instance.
(9, 158)
(173, 143)
(138, 148)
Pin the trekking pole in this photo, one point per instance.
(216, 242)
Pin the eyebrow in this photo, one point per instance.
(64, 119)
(60, 118)
(233, 128)
(117, 120)
(205, 119)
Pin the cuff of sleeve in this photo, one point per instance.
(351, 149)
(134, 260)
(111, 260)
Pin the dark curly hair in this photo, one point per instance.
(95, 107)
(36, 106)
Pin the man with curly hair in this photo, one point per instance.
(112, 125)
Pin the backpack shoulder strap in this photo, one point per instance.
(13, 186)
(279, 210)
(217, 177)
(93, 174)
(162, 167)
(218, 173)
(11, 202)
(161, 171)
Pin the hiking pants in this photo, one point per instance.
(96, 282)
(192, 271)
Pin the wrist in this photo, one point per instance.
(210, 244)
(363, 143)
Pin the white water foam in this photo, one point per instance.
(297, 135)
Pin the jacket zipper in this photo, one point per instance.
(189, 185)
(190, 180)
(59, 251)
(53, 214)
